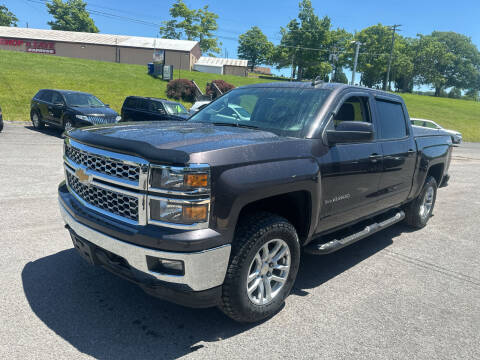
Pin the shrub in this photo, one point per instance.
(222, 85)
(181, 89)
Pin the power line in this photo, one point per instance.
(157, 25)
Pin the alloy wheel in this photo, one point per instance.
(268, 272)
(427, 202)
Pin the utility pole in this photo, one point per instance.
(333, 59)
(357, 48)
(387, 78)
(293, 66)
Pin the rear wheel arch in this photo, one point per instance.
(436, 171)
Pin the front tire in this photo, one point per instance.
(420, 210)
(263, 267)
(37, 120)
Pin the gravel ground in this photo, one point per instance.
(399, 294)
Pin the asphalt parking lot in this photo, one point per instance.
(399, 294)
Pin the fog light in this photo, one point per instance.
(165, 266)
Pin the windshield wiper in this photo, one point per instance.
(236, 125)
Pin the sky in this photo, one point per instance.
(236, 17)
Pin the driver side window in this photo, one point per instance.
(57, 98)
(355, 108)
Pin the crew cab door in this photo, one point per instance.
(56, 108)
(399, 151)
(350, 171)
(44, 101)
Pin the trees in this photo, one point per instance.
(447, 59)
(373, 60)
(7, 18)
(304, 43)
(192, 24)
(403, 67)
(70, 15)
(255, 47)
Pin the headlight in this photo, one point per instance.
(82, 117)
(118, 118)
(190, 179)
(191, 187)
(179, 211)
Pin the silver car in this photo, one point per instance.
(456, 136)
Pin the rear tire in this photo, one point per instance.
(420, 210)
(37, 120)
(265, 257)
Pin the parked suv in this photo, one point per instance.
(68, 109)
(136, 108)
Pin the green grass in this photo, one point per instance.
(454, 114)
(22, 74)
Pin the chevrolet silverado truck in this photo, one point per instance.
(216, 211)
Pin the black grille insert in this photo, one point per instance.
(114, 202)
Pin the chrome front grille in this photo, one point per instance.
(101, 119)
(103, 164)
(116, 185)
(114, 202)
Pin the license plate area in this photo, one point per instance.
(84, 249)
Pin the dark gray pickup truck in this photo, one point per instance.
(215, 211)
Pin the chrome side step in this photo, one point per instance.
(337, 244)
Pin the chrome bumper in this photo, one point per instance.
(203, 270)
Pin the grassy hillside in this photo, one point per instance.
(461, 115)
(22, 74)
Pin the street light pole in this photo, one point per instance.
(387, 79)
(357, 48)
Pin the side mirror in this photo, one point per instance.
(350, 132)
(107, 105)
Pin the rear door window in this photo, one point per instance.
(391, 120)
(131, 103)
(142, 104)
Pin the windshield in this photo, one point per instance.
(83, 100)
(175, 109)
(283, 111)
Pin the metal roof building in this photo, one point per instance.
(222, 66)
(105, 47)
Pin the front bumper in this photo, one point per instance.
(203, 270)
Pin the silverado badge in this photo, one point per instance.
(83, 177)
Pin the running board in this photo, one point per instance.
(334, 245)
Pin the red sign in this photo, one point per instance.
(43, 47)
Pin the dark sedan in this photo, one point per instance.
(68, 109)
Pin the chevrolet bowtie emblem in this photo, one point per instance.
(83, 177)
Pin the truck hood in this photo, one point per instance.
(176, 142)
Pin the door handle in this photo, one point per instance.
(410, 152)
(374, 158)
